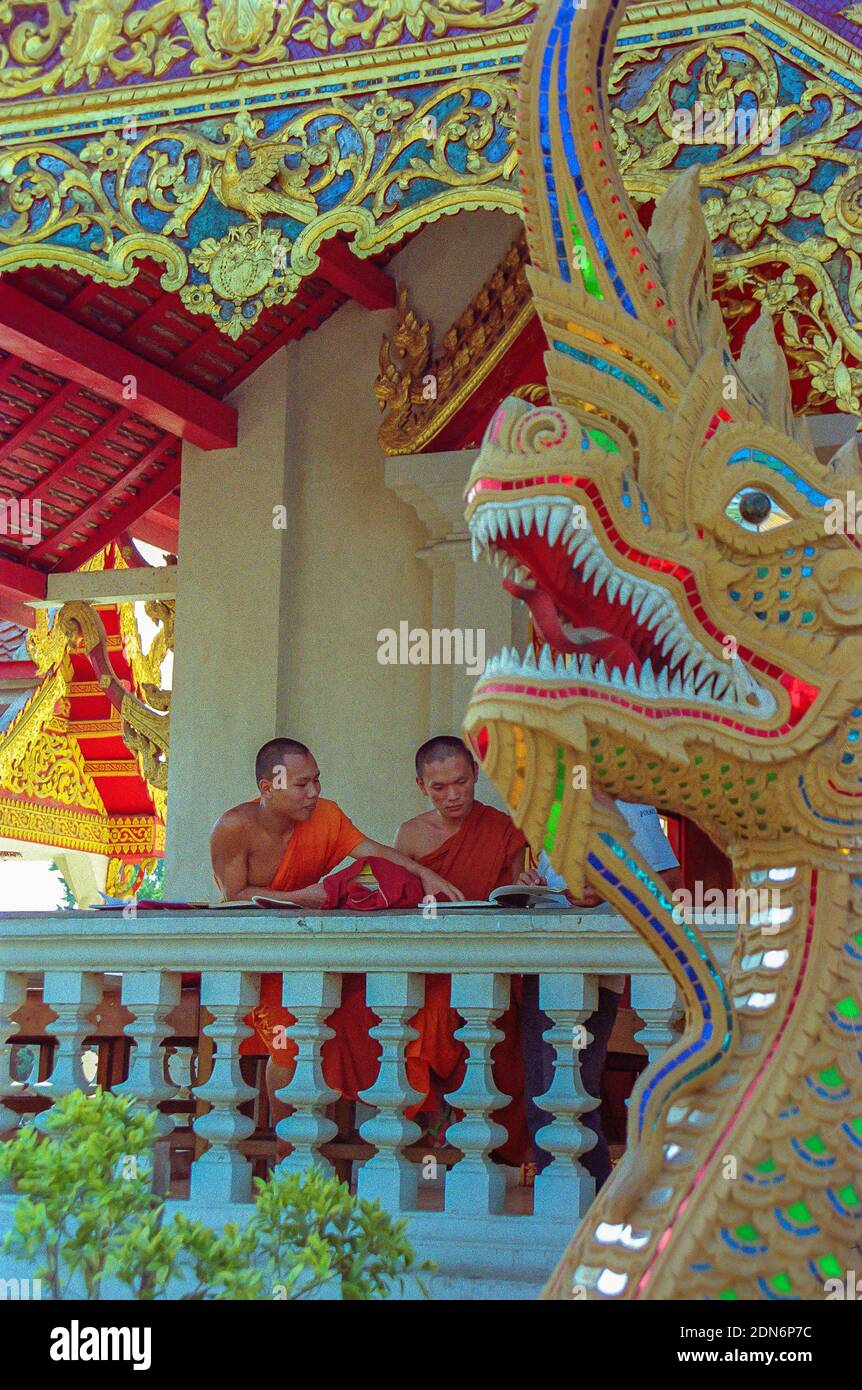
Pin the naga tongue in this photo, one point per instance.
(612, 650)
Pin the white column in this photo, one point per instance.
(466, 595)
(230, 579)
(476, 1185)
(222, 1174)
(73, 995)
(151, 995)
(389, 1176)
(654, 999)
(311, 997)
(13, 993)
(565, 1189)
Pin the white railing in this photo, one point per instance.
(476, 1237)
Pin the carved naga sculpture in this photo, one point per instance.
(664, 518)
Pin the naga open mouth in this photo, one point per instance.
(609, 627)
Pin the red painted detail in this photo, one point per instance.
(842, 792)
(480, 742)
(20, 581)
(359, 279)
(18, 670)
(147, 496)
(58, 344)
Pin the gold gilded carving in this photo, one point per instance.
(124, 879)
(755, 192)
(421, 394)
(49, 767)
(71, 828)
(77, 42)
(97, 194)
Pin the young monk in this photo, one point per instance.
(282, 844)
(478, 848)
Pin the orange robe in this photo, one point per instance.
(350, 1058)
(476, 859)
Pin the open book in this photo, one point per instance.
(521, 895)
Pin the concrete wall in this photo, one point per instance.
(276, 630)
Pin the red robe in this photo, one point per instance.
(476, 859)
(350, 1058)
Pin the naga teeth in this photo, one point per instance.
(557, 520)
(541, 514)
(613, 587)
(546, 664)
(602, 573)
(592, 564)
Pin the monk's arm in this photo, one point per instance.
(432, 883)
(230, 867)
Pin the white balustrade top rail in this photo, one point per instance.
(514, 942)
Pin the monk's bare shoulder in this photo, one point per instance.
(414, 834)
(235, 825)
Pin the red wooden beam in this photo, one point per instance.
(21, 614)
(124, 520)
(361, 280)
(98, 503)
(65, 467)
(20, 581)
(59, 344)
(153, 530)
(18, 671)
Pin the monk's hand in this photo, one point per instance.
(590, 898)
(436, 887)
(531, 878)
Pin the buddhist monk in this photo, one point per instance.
(282, 844)
(477, 848)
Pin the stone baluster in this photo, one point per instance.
(73, 995)
(389, 1176)
(13, 993)
(222, 1174)
(477, 1185)
(654, 999)
(150, 996)
(311, 997)
(565, 1189)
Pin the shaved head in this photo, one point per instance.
(273, 754)
(436, 750)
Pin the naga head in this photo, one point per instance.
(665, 519)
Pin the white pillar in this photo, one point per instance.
(476, 1185)
(311, 996)
(565, 1189)
(388, 1175)
(654, 998)
(222, 1174)
(466, 594)
(230, 632)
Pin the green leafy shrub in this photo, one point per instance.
(86, 1209)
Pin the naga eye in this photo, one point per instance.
(755, 510)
